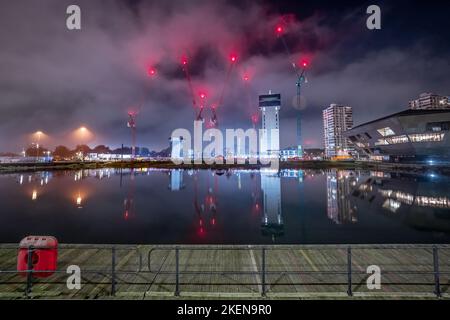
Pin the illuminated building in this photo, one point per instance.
(270, 105)
(336, 120)
(430, 101)
(176, 147)
(410, 134)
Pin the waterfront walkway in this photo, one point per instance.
(277, 272)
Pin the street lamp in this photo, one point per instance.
(82, 134)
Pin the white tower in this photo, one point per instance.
(176, 144)
(270, 105)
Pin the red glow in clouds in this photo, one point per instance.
(151, 71)
(279, 30)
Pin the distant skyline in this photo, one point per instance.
(56, 80)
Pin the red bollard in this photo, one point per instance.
(44, 256)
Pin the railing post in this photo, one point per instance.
(263, 272)
(177, 271)
(29, 271)
(437, 286)
(113, 271)
(349, 271)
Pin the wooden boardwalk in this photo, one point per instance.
(296, 271)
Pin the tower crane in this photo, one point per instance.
(300, 73)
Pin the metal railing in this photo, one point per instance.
(175, 263)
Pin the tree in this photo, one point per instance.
(33, 151)
(85, 149)
(62, 152)
(101, 149)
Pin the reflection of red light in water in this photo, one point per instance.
(200, 222)
(201, 231)
(213, 221)
(126, 215)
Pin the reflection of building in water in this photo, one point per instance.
(272, 222)
(417, 201)
(339, 208)
(176, 180)
(291, 173)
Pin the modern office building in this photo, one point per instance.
(408, 135)
(430, 101)
(269, 143)
(336, 120)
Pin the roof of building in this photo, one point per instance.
(408, 112)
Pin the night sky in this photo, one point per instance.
(56, 80)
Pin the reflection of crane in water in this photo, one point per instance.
(207, 208)
(256, 190)
(128, 203)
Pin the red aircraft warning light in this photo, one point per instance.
(151, 71)
(233, 58)
(202, 95)
(246, 77)
(279, 30)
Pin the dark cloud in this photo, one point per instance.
(55, 80)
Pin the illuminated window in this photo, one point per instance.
(381, 142)
(386, 132)
(427, 137)
(398, 139)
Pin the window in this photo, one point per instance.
(427, 137)
(398, 139)
(438, 126)
(368, 135)
(385, 132)
(381, 142)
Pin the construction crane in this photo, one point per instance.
(300, 73)
(132, 125)
(213, 122)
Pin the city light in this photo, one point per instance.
(151, 71)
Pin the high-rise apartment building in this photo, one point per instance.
(430, 101)
(336, 120)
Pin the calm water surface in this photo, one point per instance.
(234, 207)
